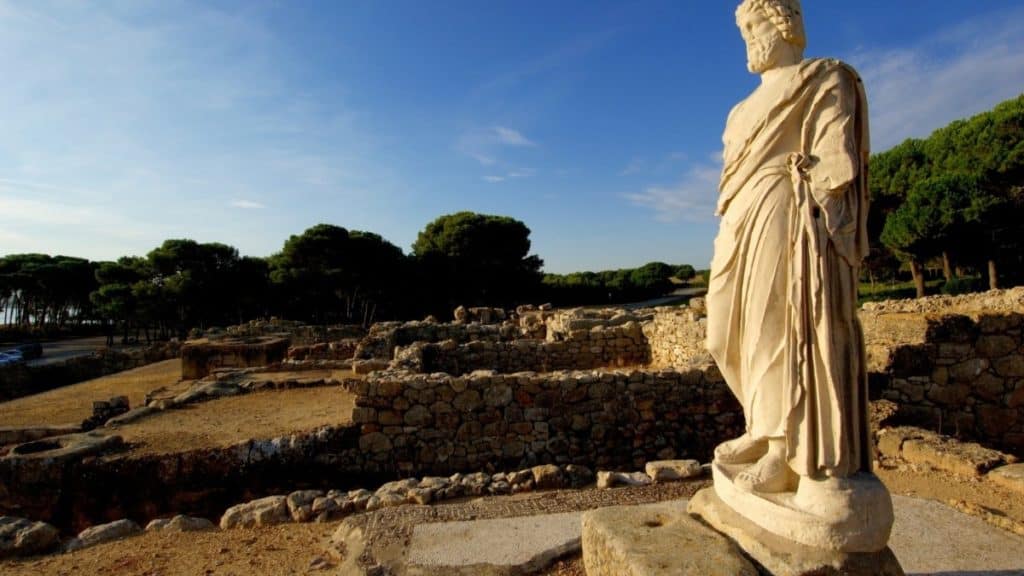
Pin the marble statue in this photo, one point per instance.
(781, 304)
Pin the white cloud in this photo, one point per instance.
(693, 198)
(485, 144)
(511, 137)
(511, 175)
(247, 205)
(915, 90)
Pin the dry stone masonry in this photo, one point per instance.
(439, 423)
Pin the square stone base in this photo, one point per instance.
(781, 557)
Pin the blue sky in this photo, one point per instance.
(598, 124)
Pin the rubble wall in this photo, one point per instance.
(964, 376)
(599, 347)
(439, 424)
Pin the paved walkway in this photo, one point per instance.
(929, 538)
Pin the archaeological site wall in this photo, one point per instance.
(599, 347)
(439, 423)
(961, 374)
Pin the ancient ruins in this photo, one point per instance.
(533, 400)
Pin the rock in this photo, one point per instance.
(420, 496)
(547, 477)
(607, 479)
(1011, 476)
(262, 512)
(23, 537)
(103, 533)
(657, 539)
(782, 556)
(579, 476)
(300, 504)
(180, 523)
(131, 416)
(672, 470)
(359, 498)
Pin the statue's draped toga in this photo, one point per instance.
(782, 322)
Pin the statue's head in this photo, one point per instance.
(772, 29)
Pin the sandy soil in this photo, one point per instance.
(293, 548)
(943, 487)
(227, 421)
(72, 404)
(279, 550)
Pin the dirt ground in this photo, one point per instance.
(277, 551)
(226, 421)
(72, 404)
(296, 548)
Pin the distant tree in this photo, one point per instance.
(476, 259)
(685, 272)
(330, 274)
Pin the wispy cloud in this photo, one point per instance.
(511, 175)
(485, 145)
(512, 137)
(247, 205)
(693, 198)
(915, 90)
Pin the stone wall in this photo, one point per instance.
(960, 374)
(384, 337)
(676, 337)
(599, 347)
(439, 424)
(343, 349)
(200, 357)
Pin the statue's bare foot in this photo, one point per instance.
(770, 474)
(742, 450)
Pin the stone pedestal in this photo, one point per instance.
(657, 540)
(781, 556)
(843, 514)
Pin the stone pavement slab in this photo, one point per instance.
(517, 545)
(932, 538)
(928, 538)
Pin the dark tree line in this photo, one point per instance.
(956, 197)
(327, 274)
(651, 280)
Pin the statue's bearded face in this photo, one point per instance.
(764, 40)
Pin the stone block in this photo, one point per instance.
(1010, 476)
(654, 540)
(673, 470)
(780, 556)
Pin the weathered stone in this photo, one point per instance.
(180, 523)
(672, 470)
(607, 479)
(262, 512)
(418, 415)
(654, 540)
(103, 533)
(780, 556)
(993, 346)
(968, 370)
(300, 504)
(1010, 366)
(467, 401)
(375, 442)
(547, 477)
(22, 537)
(1010, 476)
